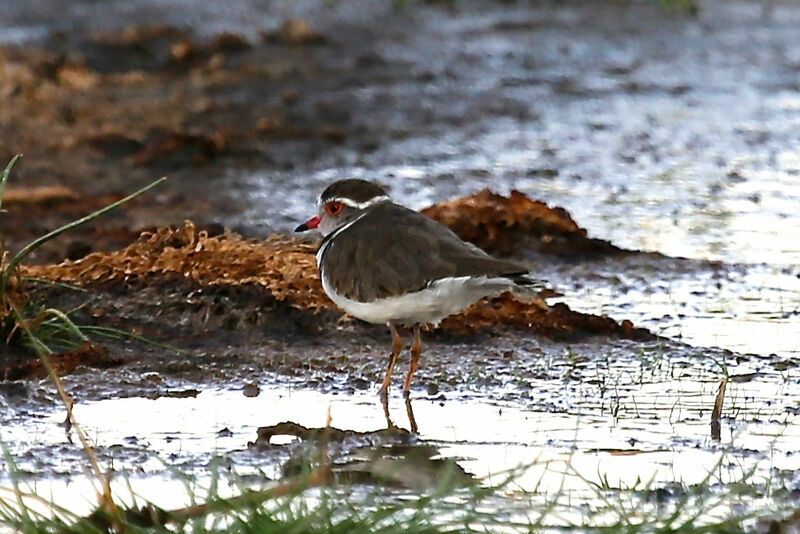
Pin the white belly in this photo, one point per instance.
(430, 305)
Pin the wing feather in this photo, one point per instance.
(392, 250)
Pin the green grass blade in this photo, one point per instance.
(47, 282)
(115, 333)
(71, 327)
(12, 472)
(4, 177)
(19, 256)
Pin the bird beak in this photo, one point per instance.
(310, 224)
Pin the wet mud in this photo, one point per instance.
(271, 287)
(20, 364)
(647, 169)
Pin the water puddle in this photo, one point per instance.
(751, 309)
(616, 431)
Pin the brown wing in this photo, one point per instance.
(393, 250)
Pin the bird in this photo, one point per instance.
(384, 263)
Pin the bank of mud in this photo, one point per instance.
(203, 293)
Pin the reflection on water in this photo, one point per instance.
(651, 430)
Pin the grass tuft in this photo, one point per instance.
(48, 329)
(13, 318)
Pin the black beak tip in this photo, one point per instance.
(302, 228)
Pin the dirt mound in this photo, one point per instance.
(557, 322)
(286, 268)
(497, 224)
(284, 265)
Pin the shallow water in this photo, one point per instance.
(656, 430)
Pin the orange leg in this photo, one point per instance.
(411, 419)
(416, 350)
(397, 346)
(385, 403)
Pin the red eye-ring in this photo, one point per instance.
(334, 208)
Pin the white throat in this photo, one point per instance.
(331, 236)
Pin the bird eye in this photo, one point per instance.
(334, 208)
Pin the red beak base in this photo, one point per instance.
(310, 224)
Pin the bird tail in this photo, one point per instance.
(532, 290)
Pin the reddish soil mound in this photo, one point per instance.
(497, 224)
(286, 268)
(284, 265)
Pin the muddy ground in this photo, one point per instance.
(663, 145)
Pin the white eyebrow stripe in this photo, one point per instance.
(358, 205)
